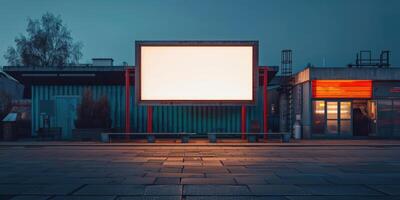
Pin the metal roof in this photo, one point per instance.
(78, 75)
(347, 73)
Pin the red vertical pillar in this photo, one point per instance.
(127, 102)
(149, 119)
(243, 122)
(265, 102)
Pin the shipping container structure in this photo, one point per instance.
(55, 93)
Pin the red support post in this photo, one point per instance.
(265, 102)
(243, 122)
(127, 102)
(149, 119)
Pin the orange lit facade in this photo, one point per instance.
(340, 102)
(342, 89)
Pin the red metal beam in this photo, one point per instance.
(243, 122)
(265, 102)
(149, 119)
(127, 102)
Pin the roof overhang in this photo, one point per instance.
(84, 75)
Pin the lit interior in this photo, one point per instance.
(319, 107)
(342, 88)
(196, 73)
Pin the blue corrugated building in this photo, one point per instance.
(56, 91)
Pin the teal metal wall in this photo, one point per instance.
(198, 119)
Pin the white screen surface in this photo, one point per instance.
(196, 73)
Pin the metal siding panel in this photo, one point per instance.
(194, 118)
(226, 119)
(237, 119)
(170, 119)
(184, 119)
(208, 118)
(33, 111)
(178, 119)
(189, 119)
(199, 119)
(173, 118)
(155, 119)
(202, 119)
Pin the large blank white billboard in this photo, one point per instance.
(196, 72)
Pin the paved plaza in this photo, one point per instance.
(128, 172)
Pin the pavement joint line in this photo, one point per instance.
(376, 190)
(80, 187)
(51, 197)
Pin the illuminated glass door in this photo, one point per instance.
(332, 124)
(319, 118)
(345, 118)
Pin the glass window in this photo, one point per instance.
(318, 117)
(345, 118)
(385, 125)
(345, 127)
(372, 117)
(345, 110)
(332, 108)
(332, 126)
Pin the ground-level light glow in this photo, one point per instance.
(196, 73)
(342, 88)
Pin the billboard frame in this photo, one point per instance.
(141, 43)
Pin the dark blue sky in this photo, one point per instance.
(314, 29)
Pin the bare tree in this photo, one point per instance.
(48, 43)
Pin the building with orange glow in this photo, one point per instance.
(347, 102)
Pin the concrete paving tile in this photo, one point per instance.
(111, 190)
(175, 159)
(137, 180)
(387, 189)
(167, 181)
(343, 198)
(192, 163)
(75, 197)
(13, 179)
(299, 179)
(277, 190)
(53, 189)
(200, 190)
(192, 159)
(364, 179)
(161, 190)
(318, 169)
(150, 198)
(29, 197)
(212, 164)
(171, 169)
(209, 170)
(182, 175)
(251, 180)
(235, 198)
(209, 181)
(339, 190)
(237, 169)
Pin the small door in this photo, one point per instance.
(66, 114)
(332, 124)
(361, 118)
(345, 118)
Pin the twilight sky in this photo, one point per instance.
(334, 30)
